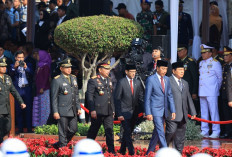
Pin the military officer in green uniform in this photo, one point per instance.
(100, 101)
(191, 72)
(6, 87)
(225, 88)
(65, 103)
(145, 19)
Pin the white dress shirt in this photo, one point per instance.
(159, 77)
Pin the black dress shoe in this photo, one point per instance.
(56, 145)
(224, 136)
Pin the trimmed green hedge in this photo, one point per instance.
(82, 130)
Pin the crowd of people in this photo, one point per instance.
(202, 87)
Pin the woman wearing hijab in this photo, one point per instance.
(215, 25)
(41, 103)
(42, 31)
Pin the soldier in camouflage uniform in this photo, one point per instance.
(145, 18)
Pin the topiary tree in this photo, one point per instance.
(93, 39)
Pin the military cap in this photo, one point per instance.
(159, 2)
(145, 1)
(121, 6)
(177, 65)
(181, 1)
(162, 63)
(182, 46)
(130, 67)
(213, 3)
(66, 63)
(53, 1)
(214, 45)
(3, 62)
(205, 48)
(105, 64)
(227, 50)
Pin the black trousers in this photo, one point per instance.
(67, 128)
(227, 115)
(128, 126)
(175, 131)
(108, 126)
(5, 125)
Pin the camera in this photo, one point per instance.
(21, 63)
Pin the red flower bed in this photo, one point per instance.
(43, 147)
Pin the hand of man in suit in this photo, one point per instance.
(149, 117)
(173, 116)
(230, 104)
(94, 114)
(194, 96)
(23, 106)
(56, 116)
(121, 118)
(193, 117)
(78, 112)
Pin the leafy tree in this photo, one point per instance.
(93, 39)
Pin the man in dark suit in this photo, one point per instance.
(22, 76)
(175, 129)
(6, 87)
(158, 102)
(128, 99)
(157, 54)
(101, 105)
(62, 14)
(225, 93)
(65, 103)
(72, 10)
(185, 27)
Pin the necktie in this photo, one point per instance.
(131, 84)
(20, 79)
(155, 65)
(162, 84)
(180, 85)
(68, 79)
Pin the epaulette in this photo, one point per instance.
(215, 60)
(73, 75)
(57, 77)
(221, 58)
(190, 59)
(94, 77)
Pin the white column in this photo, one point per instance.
(174, 11)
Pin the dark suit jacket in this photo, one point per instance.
(185, 31)
(72, 11)
(14, 73)
(66, 104)
(182, 99)
(102, 104)
(126, 103)
(6, 88)
(229, 82)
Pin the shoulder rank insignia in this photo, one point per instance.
(93, 77)
(73, 75)
(190, 59)
(57, 77)
(215, 60)
(221, 58)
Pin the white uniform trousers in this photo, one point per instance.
(209, 106)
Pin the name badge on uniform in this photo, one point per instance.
(65, 84)
(75, 83)
(210, 65)
(185, 66)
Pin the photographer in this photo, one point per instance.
(21, 74)
(157, 53)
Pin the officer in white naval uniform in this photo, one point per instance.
(210, 80)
